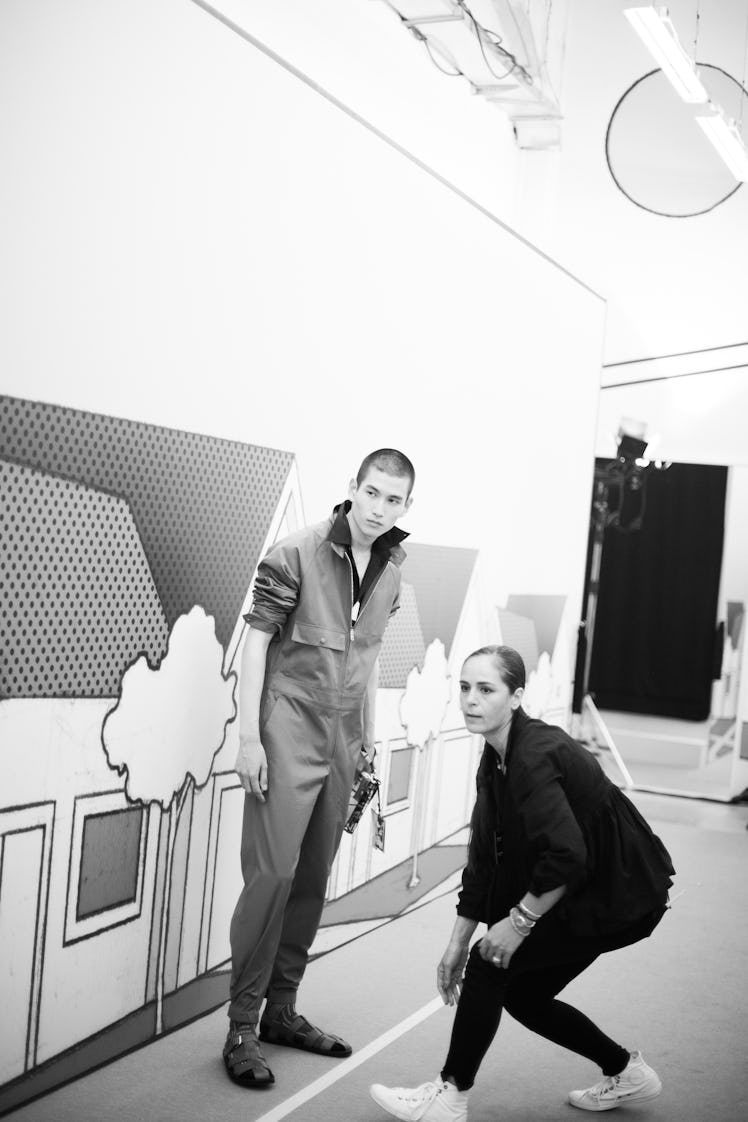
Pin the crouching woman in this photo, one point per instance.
(562, 868)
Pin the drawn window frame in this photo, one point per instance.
(85, 807)
(395, 745)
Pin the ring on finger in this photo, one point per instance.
(497, 960)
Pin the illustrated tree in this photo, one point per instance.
(422, 710)
(165, 731)
(538, 697)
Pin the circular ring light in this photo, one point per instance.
(658, 156)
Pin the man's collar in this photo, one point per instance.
(340, 531)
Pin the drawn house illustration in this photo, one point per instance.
(536, 626)
(112, 910)
(422, 710)
(164, 733)
(117, 883)
(443, 600)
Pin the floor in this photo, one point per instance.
(688, 758)
(679, 996)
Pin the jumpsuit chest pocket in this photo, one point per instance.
(312, 636)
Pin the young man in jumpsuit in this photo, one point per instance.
(322, 599)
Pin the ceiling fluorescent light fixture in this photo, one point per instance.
(654, 27)
(726, 138)
(426, 11)
(466, 47)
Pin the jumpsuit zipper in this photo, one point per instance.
(358, 606)
(350, 573)
(356, 609)
(371, 593)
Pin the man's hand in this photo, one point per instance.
(252, 766)
(364, 762)
(251, 762)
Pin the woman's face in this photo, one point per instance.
(486, 702)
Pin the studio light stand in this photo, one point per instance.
(618, 502)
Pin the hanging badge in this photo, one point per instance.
(378, 824)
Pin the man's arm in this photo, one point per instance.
(370, 706)
(251, 761)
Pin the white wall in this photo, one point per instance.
(697, 418)
(673, 284)
(62, 738)
(359, 53)
(196, 237)
(734, 584)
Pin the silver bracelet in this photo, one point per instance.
(521, 924)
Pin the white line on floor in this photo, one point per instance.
(342, 1069)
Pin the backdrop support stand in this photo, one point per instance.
(626, 471)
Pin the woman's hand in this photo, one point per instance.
(499, 943)
(449, 972)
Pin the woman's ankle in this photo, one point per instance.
(454, 1085)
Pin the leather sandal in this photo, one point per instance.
(243, 1057)
(299, 1033)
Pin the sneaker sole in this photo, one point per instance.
(630, 1100)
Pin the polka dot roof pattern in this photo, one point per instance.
(403, 646)
(77, 600)
(202, 506)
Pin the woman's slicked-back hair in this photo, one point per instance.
(390, 461)
(509, 662)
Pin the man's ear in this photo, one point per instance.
(408, 503)
(352, 488)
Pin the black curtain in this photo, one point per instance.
(654, 643)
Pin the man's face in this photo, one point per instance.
(378, 502)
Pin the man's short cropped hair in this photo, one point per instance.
(390, 461)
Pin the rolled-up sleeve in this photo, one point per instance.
(472, 900)
(276, 589)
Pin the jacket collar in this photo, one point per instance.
(340, 533)
(519, 721)
(487, 762)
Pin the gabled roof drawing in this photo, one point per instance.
(78, 599)
(519, 632)
(202, 506)
(403, 646)
(440, 575)
(531, 625)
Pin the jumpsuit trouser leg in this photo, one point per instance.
(288, 845)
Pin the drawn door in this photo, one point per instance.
(25, 848)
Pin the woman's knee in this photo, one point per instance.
(525, 1003)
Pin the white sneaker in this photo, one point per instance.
(637, 1083)
(431, 1102)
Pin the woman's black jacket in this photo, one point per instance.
(554, 819)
